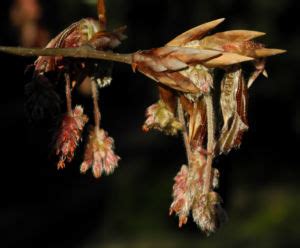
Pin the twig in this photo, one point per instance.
(80, 52)
(210, 143)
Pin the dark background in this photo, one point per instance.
(43, 207)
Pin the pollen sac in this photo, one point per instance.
(159, 117)
(69, 135)
(99, 154)
(208, 213)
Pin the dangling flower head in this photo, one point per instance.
(69, 135)
(99, 154)
(161, 118)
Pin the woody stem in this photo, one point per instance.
(80, 52)
(95, 95)
(184, 131)
(68, 94)
(210, 144)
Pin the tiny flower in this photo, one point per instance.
(161, 118)
(99, 154)
(69, 135)
(182, 202)
(216, 176)
(208, 213)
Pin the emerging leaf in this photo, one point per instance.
(234, 110)
(194, 33)
(164, 65)
(84, 32)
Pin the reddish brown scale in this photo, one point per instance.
(230, 47)
(169, 97)
(242, 99)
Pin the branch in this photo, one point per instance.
(80, 52)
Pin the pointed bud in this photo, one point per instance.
(194, 33)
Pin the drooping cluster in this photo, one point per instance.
(87, 76)
(99, 154)
(184, 69)
(161, 118)
(69, 135)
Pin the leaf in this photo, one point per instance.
(164, 65)
(194, 33)
(227, 59)
(177, 81)
(236, 35)
(84, 32)
(266, 52)
(259, 69)
(104, 40)
(197, 124)
(234, 106)
(171, 58)
(168, 96)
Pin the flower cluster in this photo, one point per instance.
(161, 118)
(189, 195)
(99, 154)
(88, 76)
(69, 135)
(184, 69)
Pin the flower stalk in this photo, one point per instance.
(210, 144)
(68, 94)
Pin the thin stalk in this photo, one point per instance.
(68, 94)
(102, 14)
(80, 52)
(210, 144)
(184, 131)
(97, 114)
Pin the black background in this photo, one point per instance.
(43, 207)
